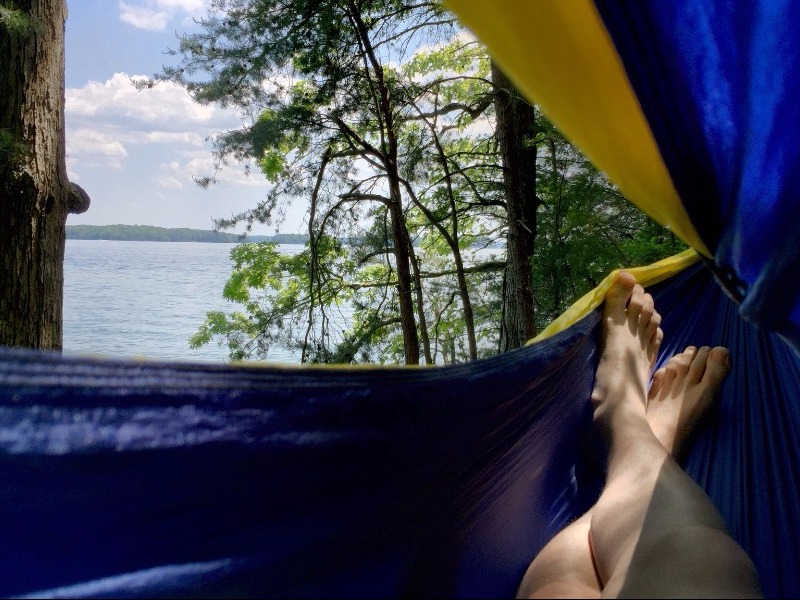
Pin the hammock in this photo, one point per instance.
(148, 479)
(130, 478)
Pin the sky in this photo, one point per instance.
(136, 152)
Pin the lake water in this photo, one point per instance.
(146, 298)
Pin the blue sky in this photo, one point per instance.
(136, 152)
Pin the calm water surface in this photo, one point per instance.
(146, 298)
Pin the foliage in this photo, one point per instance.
(273, 289)
(378, 115)
(13, 152)
(18, 22)
(586, 229)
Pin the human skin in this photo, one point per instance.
(653, 532)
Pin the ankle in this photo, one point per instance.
(628, 428)
(621, 415)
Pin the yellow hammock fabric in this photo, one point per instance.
(646, 276)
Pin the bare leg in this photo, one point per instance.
(565, 567)
(680, 396)
(653, 532)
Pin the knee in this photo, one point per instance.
(692, 562)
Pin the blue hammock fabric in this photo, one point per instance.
(143, 479)
(720, 88)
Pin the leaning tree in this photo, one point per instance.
(35, 194)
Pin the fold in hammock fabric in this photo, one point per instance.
(146, 479)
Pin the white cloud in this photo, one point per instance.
(155, 15)
(201, 164)
(105, 119)
(154, 140)
(165, 103)
(71, 173)
(188, 6)
(187, 138)
(96, 146)
(143, 18)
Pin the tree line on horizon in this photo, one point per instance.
(151, 233)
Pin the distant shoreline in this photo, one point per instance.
(149, 233)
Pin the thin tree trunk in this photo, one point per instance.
(423, 322)
(35, 195)
(313, 268)
(516, 128)
(453, 241)
(402, 241)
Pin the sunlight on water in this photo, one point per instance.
(146, 298)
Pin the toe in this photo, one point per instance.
(648, 309)
(670, 373)
(717, 366)
(678, 366)
(657, 384)
(618, 294)
(685, 358)
(635, 305)
(698, 366)
(653, 346)
(653, 327)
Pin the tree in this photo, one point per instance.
(324, 137)
(35, 194)
(449, 90)
(516, 137)
(341, 117)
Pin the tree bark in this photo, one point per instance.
(35, 194)
(402, 259)
(516, 128)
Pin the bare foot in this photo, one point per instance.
(682, 393)
(631, 337)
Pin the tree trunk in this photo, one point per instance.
(402, 241)
(453, 241)
(402, 259)
(35, 195)
(516, 128)
(423, 322)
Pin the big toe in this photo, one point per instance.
(619, 293)
(717, 366)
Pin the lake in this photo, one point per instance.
(146, 298)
